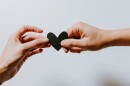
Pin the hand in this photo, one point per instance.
(85, 37)
(18, 49)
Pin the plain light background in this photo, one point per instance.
(52, 68)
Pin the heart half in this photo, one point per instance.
(56, 41)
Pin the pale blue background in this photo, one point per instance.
(53, 68)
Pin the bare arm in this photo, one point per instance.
(119, 37)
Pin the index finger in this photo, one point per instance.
(25, 29)
(74, 31)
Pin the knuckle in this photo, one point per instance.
(32, 28)
(39, 42)
(29, 37)
(24, 28)
(73, 43)
(70, 44)
(83, 42)
(23, 47)
(79, 24)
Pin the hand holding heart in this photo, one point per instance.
(56, 42)
(18, 49)
(83, 37)
(80, 37)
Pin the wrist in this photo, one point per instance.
(3, 70)
(117, 37)
(2, 65)
(110, 38)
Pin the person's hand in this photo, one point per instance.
(18, 49)
(84, 37)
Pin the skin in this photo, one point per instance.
(85, 37)
(82, 37)
(18, 49)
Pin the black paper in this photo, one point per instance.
(56, 41)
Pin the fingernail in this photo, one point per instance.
(40, 50)
(49, 44)
(41, 31)
(66, 51)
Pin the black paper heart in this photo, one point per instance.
(56, 42)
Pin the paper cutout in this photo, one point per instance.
(56, 41)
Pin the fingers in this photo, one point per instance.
(74, 50)
(31, 37)
(70, 32)
(35, 51)
(65, 50)
(68, 43)
(73, 32)
(32, 52)
(77, 49)
(76, 30)
(35, 43)
(46, 46)
(25, 29)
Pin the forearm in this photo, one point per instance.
(3, 71)
(118, 37)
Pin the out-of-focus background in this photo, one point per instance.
(107, 67)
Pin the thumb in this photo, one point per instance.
(68, 43)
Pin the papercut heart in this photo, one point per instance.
(56, 42)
